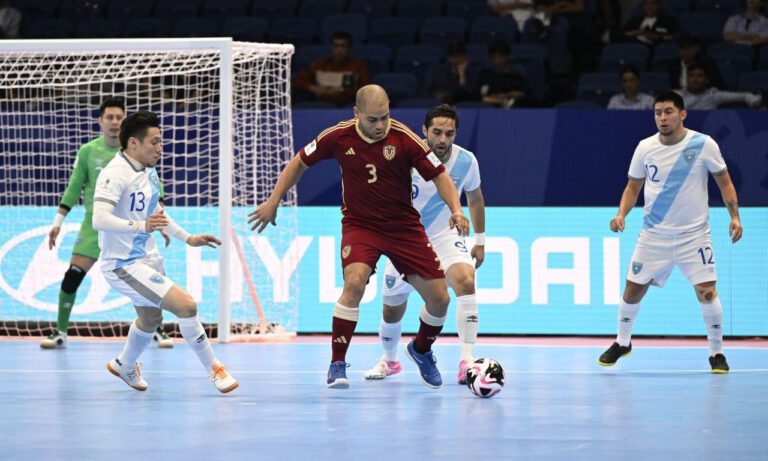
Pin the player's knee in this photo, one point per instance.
(464, 285)
(354, 288)
(187, 307)
(441, 300)
(393, 314)
(706, 294)
(72, 279)
(151, 319)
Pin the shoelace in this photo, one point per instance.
(219, 372)
(132, 374)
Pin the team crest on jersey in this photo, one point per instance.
(390, 280)
(636, 267)
(346, 251)
(157, 278)
(389, 152)
(690, 155)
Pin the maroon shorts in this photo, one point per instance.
(409, 251)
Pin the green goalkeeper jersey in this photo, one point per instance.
(91, 158)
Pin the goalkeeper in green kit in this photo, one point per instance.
(91, 158)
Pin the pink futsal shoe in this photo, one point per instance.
(384, 368)
(463, 367)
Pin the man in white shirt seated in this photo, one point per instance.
(631, 98)
(699, 95)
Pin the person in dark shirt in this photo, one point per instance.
(453, 81)
(500, 85)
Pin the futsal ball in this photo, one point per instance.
(485, 378)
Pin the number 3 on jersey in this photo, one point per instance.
(137, 198)
(372, 171)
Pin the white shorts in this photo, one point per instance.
(450, 249)
(144, 282)
(656, 255)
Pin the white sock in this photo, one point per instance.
(713, 318)
(389, 334)
(135, 344)
(466, 324)
(192, 331)
(627, 314)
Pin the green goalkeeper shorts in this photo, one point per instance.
(87, 243)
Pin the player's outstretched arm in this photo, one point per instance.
(200, 240)
(628, 201)
(476, 204)
(267, 212)
(728, 191)
(450, 196)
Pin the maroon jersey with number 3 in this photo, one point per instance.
(375, 175)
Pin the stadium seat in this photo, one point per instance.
(195, 27)
(355, 24)
(393, 32)
(417, 59)
(762, 60)
(314, 105)
(77, 10)
(270, 9)
(172, 10)
(598, 87)
(478, 55)
(372, 8)
(654, 82)
(442, 31)
(418, 103)
(378, 57)
(133, 9)
(223, 9)
(245, 29)
(38, 9)
(617, 56)
(47, 28)
(320, 8)
(419, 9)
(491, 29)
(728, 50)
(399, 85)
(754, 82)
(299, 31)
(578, 104)
(725, 7)
(679, 6)
(146, 28)
(307, 54)
(98, 28)
(663, 55)
(706, 26)
(468, 9)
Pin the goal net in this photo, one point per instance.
(226, 123)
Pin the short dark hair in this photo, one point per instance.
(631, 70)
(341, 35)
(443, 110)
(136, 126)
(500, 47)
(698, 65)
(670, 96)
(111, 101)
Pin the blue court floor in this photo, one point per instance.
(660, 403)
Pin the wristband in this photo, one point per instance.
(480, 238)
(58, 220)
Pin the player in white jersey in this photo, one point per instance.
(674, 165)
(440, 127)
(126, 212)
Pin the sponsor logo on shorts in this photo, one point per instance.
(389, 152)
(414, 191)
(636, 267)
(390, 280)
(157, 278)
(346, 251)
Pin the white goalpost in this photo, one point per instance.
(227, 134)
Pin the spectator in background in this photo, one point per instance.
(631, 97)
(500, 86)
(10, 20)
(582, 37)
(690, 52)
(699, 94)
(749, 27)
(335, 79)
(652, 28)
(520, 10)
(453, 81)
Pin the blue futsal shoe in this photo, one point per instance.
(427, 364)
(337, 375)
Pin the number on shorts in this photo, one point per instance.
(461, 246)
(372, 171)
(703, 252)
